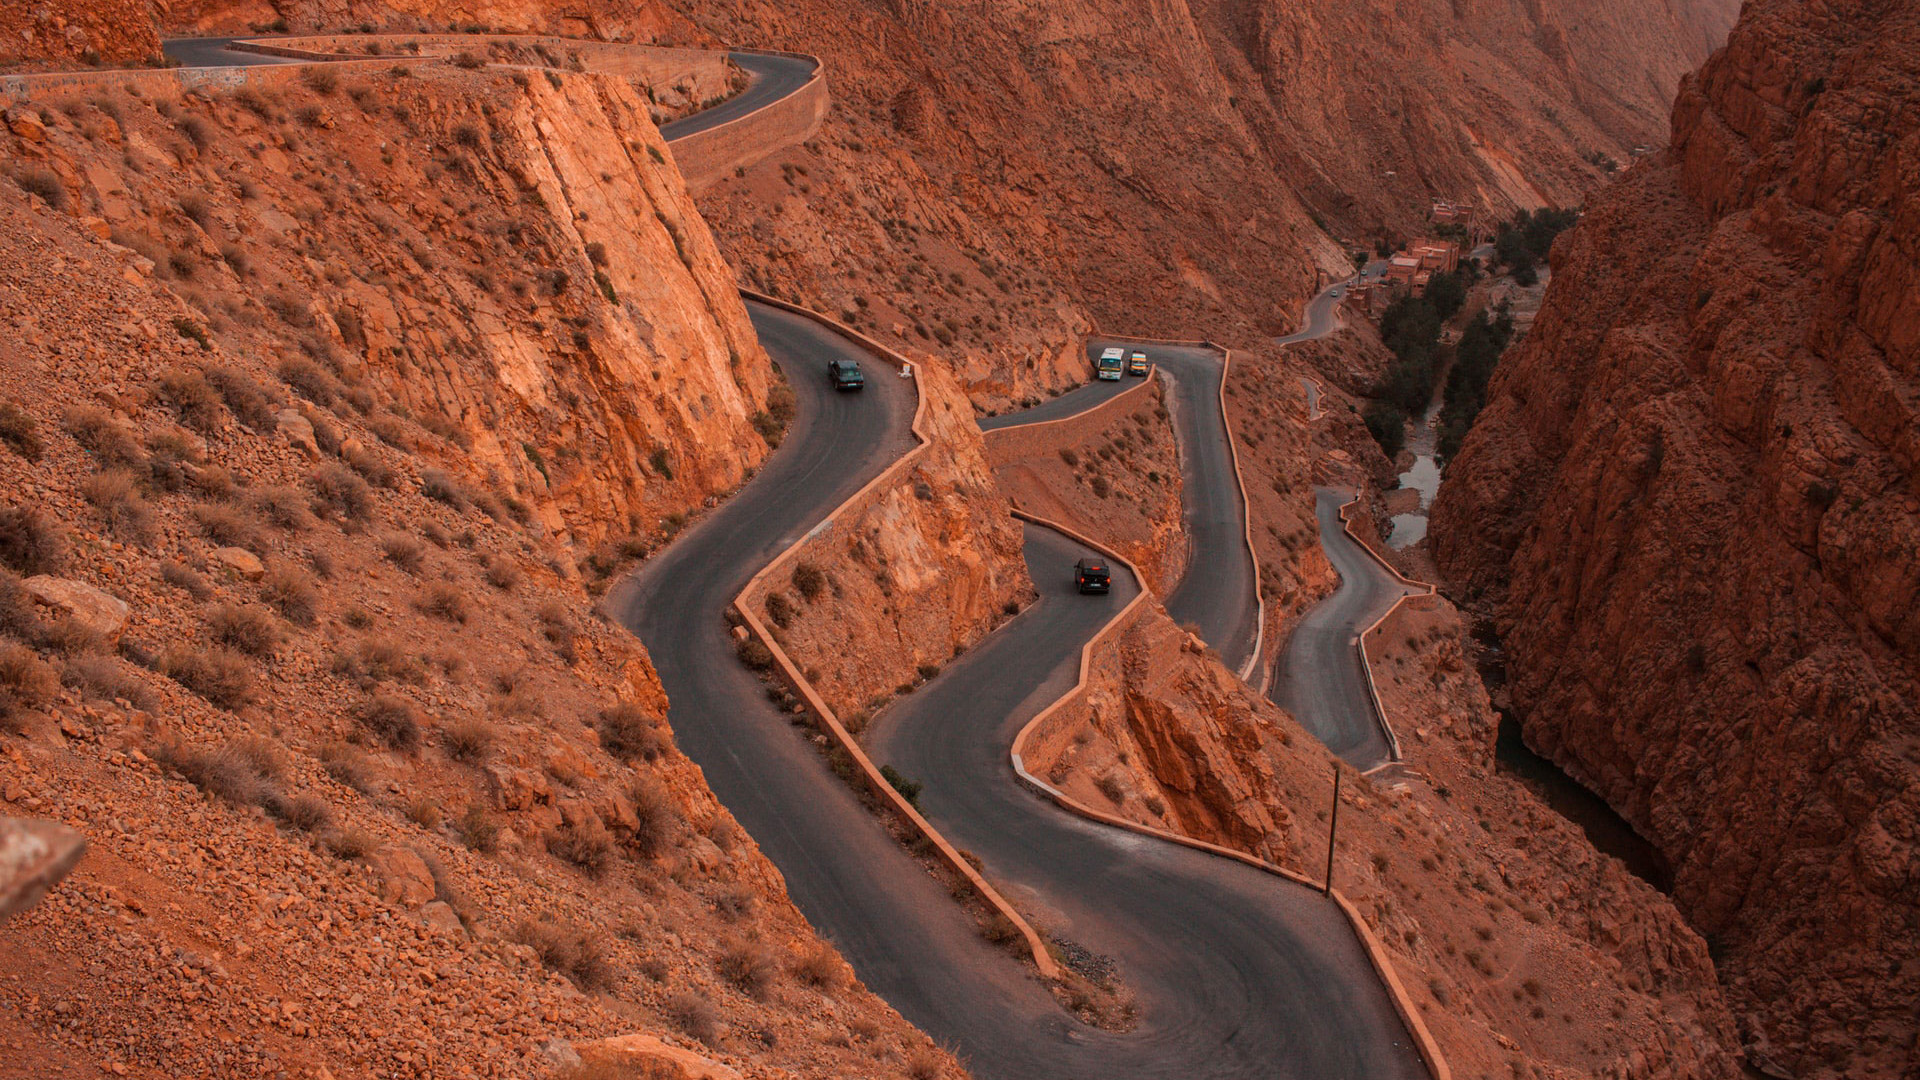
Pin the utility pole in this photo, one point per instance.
(1333, 824)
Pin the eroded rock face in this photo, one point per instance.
(66, 33)
(1693, 502)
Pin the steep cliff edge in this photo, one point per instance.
(291, 633)
(1693, 502)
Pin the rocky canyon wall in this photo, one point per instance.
(1693, 503)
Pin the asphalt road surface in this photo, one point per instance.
(1236, 972)
(774, 77)
(213, 52)
(1318, 675)
(1239, 974)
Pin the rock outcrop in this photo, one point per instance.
(1693, 503)
(64, 34)
(914, 573)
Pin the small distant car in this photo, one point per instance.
(1092, 576)
(1112, 363)
(1137, 363)
(846, 375)
(1336, 292)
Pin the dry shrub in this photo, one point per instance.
(26, 682)
(586, 844)
(370, 466)
(232, 771)
(310, 380)
(810, 580)
(229, 526)
(291, 593)
(246, 629)
(340, 492)
(105, 679)
(348, 765)
(117, 496)
(44, 182)
(443, 601)
(440, 487)
(477, 829)
(283, 506)
(221, 676)
(31, 541)
(424, 811)
(750, 967)
(469, 740)
(110, 442)
(351, 843)
(193, 399)
(213, 481)
(580, 955)
(559, 630)
(376, 660)
(403, 551)
(925, 1063)
(502, 572)
(251, 402)
(171, 457)
(186, 578)
(657, 817)
(319, 79)
(307, 813)
(394, 720)
(820, 967)
(627, 732)
(693, 1015)
(19, 431)
(780, 609)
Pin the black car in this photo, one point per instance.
(1092, 576)
(845, 375)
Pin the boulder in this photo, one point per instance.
(34, 855)
(99, 613)
(240, 561)
(298, 431)
(648, 1056)
(404, 877)
(440, 915)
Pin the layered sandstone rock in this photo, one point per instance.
(1692, 502)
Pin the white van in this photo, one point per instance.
(1113, 364)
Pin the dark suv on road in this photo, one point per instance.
(845, 375)
(1092, 576)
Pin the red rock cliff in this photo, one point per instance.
(1694, 503)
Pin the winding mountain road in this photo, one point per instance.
(1319, 676)
(1236, 973)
